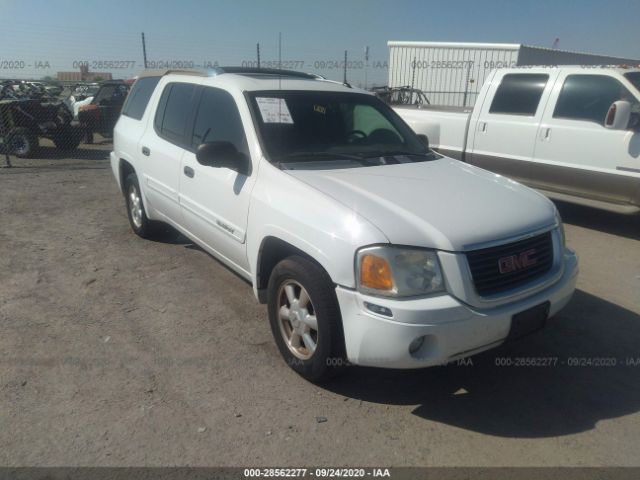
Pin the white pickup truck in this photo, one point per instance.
(367, 247)
(571, 132)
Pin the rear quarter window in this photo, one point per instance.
(139, 96)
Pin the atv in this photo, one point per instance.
(23, 121)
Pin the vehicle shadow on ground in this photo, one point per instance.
(518, 401)
(171, 236)
(607, 222)
(80, 153)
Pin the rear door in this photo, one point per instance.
(162, 147)
(575, 154)
(507, 121)
(214, 200)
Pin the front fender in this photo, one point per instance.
(286, 208)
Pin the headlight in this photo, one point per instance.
(398, 272)
(563, 237)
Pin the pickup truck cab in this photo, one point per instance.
(571, 132)
(367, 247)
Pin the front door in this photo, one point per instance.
(215, 200)
(575, 154)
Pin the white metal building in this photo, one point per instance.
(453, 73)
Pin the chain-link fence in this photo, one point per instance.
(62, 115)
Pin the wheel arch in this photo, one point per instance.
(273, 250)
(125, 168)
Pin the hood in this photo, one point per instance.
(443, 204)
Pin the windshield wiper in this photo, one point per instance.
(392, 153)
(326, 155)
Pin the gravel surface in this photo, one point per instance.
(119, 351)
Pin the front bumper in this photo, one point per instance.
(452, 329)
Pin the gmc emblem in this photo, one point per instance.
(517, 262)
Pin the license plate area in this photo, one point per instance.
(529, 321)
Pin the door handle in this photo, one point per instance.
(189, 172)
(545, 134)
(146, 151)
(482, 127)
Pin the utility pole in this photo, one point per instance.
(413, 78)
(144, 51)
(366, 65)
(258, 49)
(345, 67)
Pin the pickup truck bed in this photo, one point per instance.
(446, 127)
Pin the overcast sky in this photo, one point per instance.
(42, 37)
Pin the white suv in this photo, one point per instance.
(367, 247)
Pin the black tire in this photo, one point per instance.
(22, 143)
(329, 357)
(140, 224)
(68, 139)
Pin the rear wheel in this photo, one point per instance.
(305, 319)
(68, 138)
(140, 224)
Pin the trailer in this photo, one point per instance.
(453, 73)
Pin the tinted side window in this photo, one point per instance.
(173, 111)
(588, 97)
(139, 96)
(519, 94)
(218, 119)
(110, 95)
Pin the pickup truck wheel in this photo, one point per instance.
(140, 224)
(305, 319)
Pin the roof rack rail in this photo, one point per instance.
(268, 71)
(238, 70)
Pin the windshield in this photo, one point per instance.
(634, 77)
(349, 128)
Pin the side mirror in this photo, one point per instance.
(618, 115)
(424, 139)
(221, 155)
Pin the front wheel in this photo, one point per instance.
(305, 319)
(22, 143)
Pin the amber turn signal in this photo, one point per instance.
(375, 273)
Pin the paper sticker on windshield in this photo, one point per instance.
(274, 110)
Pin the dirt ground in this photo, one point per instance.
(119, 351)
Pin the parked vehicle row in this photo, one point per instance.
(21, 89)
(367, 247)
(29, 112)
(571, 133)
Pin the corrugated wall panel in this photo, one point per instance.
(449, 74)
(453, 73)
